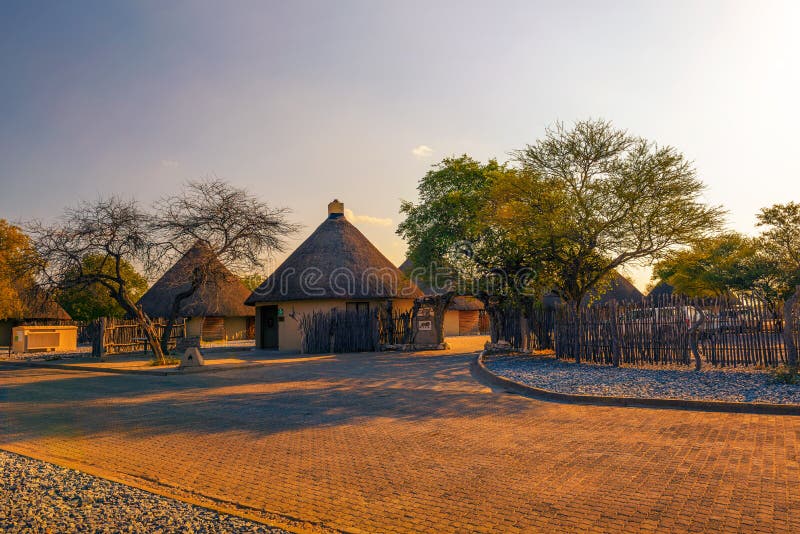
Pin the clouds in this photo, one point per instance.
(422, 151)
(366, 219)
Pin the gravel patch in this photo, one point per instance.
(37, 496)
(660, 383)
(81, 352)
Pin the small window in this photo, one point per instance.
(359, 307)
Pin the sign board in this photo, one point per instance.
(425, 326)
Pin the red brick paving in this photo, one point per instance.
(398, 443)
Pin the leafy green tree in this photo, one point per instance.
(452, 235)
(94, 300)
(780, 243)
(17, 260)
(716, 266)
(252, 281)
(592, 198)
(453, 238)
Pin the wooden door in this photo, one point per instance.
(269, 327)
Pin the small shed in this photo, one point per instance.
(38, 307)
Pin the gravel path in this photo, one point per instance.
(37, 496)
(712, 384)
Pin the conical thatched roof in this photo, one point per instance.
(336, 261)
(39, 305)
(465, 303)
(661, 289)
(223, 295)
(621, 290)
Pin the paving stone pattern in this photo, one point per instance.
(408, 443)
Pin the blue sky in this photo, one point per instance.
(302, 102)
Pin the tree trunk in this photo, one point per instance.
(144, 321)
(524, 332)
(788, 330)
(152, 338)
(442, 302)
(492, 307)
(615, 348)
(167, 333)
(693, 334)
(198, 278)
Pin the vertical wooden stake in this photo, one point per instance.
(615, 350)
(788, 329)
(101, 339)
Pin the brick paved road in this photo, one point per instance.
(396, 442)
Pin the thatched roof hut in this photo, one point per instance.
(661, 289)
(37, 306)
(336, 268)
(619, 289)
(336, 262)
(216, 310)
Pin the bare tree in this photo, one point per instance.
(112, 230)
(228, 222)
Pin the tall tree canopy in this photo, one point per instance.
(717, 265)
(17, 261)
(581, 202)
(452, 235)
(88, 302)
(780, 240)
(594, 198)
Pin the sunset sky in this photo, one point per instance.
(302, 102)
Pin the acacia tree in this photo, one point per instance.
(716, 266)
(780, 244)
(112, 231)
(593, 198)
(227, 222)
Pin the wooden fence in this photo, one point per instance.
(397, 329)
(743, 331)
(352, 331)
(115, 336)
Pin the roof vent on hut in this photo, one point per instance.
(335, 209)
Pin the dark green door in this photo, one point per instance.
(269, 327)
